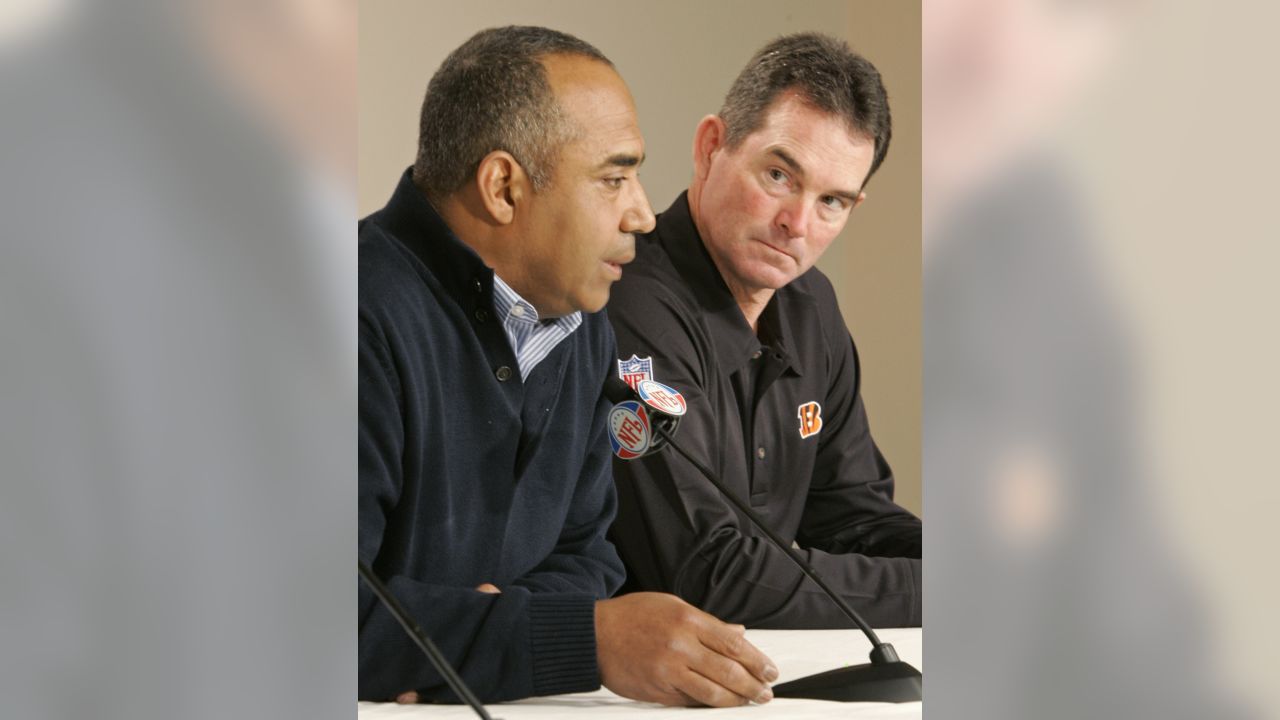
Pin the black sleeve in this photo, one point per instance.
(506, 646)
(677, 533)
(850, 508)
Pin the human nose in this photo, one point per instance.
(793, 217)
(638, 217)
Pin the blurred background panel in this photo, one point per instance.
(679, 59)
(177, 385)
(1194, 116)
(1100, 343)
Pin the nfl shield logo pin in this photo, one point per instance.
(635, 370)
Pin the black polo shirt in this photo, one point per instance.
(779, 416)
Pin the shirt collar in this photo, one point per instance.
(412, 219)
(679, 237)
(510, 307)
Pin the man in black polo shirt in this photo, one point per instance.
(724, 304)
(485, 490)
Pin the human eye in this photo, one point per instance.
(835, 202)
(614, 183)
(776, 175)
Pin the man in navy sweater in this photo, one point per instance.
(485, 485)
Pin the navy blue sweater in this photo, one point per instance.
(470, 475)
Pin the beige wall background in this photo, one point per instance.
(679, 59)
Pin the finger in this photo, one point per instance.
(732, 643)
(730, 675)
(705, 692)
(489, 588)
(407, 698)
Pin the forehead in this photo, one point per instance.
(823, 143)
(597, 101)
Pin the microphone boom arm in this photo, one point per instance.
(886, 678)
(423, 641)
(882, 652)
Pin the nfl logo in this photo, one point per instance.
(635, 369)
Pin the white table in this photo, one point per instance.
(796, 652)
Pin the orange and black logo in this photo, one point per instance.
(810, 419)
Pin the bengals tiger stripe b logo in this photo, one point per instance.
(810, 419)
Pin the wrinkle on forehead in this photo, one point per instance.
(822, 144)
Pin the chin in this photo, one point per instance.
(594, 305)
(759, 272)
(772, 279)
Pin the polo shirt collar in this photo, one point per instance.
(679, 237)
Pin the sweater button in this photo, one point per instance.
(503, 373)
(760, 453)
(481, 315)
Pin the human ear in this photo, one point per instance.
(707, 139)
(501, 183)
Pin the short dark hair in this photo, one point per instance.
(826, 73)
(492, 94)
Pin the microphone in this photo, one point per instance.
(650, 413)
(636, 413)
(423, 641)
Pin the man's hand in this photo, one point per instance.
(658, 648)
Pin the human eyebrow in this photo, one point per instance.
(798, 171)
(789, 161)
(622, 160)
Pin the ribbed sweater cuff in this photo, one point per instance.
(562, 632)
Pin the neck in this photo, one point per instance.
(751, 303)
(467, 222)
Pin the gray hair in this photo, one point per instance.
(826, 73)
(492, 94)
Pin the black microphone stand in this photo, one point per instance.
(423, 641)
(884, 679)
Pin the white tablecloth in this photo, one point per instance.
(796, 652)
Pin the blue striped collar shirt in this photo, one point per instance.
(531, 339)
